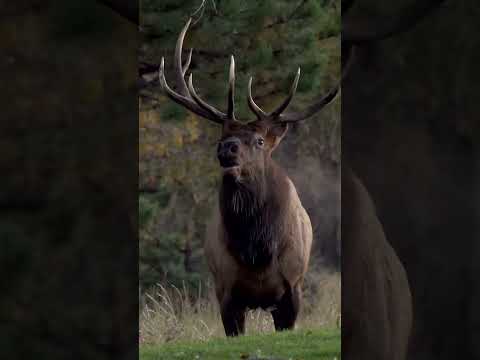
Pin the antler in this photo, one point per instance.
(186, 95)
(278, 114)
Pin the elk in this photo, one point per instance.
(377, 308)
(261, 254)
(376, 300)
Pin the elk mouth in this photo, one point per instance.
(230, 167)
(228, 162)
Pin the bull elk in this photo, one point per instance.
(261, 254)
(376, 299)
(377, 309)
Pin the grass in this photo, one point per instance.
(294, 345)
(175, 324)
(170, 314)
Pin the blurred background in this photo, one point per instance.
(178, 170)
(411, 133)
(68, 216)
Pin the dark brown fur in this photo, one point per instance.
(252, 215)
(376, 299)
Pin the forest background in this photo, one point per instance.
(178, 170)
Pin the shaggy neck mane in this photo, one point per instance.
(252, 213)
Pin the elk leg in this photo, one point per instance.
(233, 318)
(286, 311)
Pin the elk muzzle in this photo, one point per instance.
(228, 152)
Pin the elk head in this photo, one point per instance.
(244, 147)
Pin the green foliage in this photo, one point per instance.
(146, 211)
(262, 56)
(173, 112)
(232, 7)
(160, 253)
(307, 345)
(164, 263)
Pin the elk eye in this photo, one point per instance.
(260, 141)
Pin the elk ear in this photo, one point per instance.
(276, 133)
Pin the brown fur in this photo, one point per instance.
(376, 299)
(261, 253)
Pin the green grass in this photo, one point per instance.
(294, 345)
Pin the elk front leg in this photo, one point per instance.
(286, 311)
(233, 317)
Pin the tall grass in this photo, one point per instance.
(170, 314)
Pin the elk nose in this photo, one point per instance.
(229, 147)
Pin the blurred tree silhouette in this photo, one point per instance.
(68, 162)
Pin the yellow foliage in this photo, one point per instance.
(191, 126)
(141, 148)
(148, 118)
(177, 137)
(149, 148)
(161, 149)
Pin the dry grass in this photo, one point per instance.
(170, 314)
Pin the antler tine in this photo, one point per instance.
(231, 90)
(186, 95)
(187, 63)
(323, 101)
(311, 110)
(278, 111)
(183, 100)
(182, 86)
(251, 104)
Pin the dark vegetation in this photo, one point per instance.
(68, 164)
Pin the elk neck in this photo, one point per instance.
(253, 212)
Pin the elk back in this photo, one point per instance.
(376, 299)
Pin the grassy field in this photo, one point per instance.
(294, 345)
(176, 324)
(173, 315)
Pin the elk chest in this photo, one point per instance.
(259, 289)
